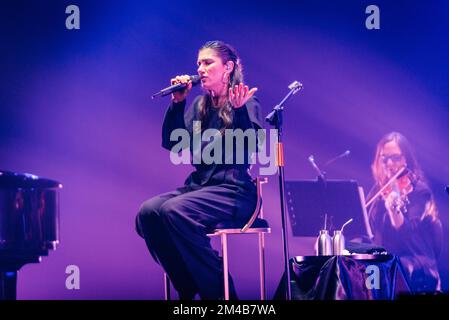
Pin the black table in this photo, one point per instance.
(352, 277)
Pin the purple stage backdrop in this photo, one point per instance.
(75, 107)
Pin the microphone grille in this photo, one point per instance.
(195, 79)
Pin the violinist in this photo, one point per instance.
(403, 215)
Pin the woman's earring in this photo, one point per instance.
(225, 78)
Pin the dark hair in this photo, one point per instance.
(226, 53)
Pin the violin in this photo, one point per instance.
(396, 190)
(399, 189)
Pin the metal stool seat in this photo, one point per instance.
(256, 225)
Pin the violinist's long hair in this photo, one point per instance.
(378, 170)
(379, 174)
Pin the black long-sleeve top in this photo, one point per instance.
(246, 117)
(417, 241)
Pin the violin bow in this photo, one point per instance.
(397, 174)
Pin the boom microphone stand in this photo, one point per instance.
(274, 118)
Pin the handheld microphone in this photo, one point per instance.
(195, 79)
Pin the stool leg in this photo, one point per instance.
(167, 287)
(262, 265)
(224, 251)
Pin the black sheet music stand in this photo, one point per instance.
(309, 200)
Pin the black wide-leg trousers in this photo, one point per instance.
(175, 226)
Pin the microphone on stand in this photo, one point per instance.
(195, 79)
(344, 154)
(314, 165)
(321, 173)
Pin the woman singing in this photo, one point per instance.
(405, 219)
(175, 224)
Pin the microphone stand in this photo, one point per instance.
(274, 118)
(321, 174)
(322, 182)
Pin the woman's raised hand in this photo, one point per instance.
(240, 94)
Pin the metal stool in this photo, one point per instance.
(255, 225)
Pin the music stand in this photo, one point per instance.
(309, 200)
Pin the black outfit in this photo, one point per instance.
(417, 241)
(175, 224)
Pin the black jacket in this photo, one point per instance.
(246, 117)
(417, 241)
